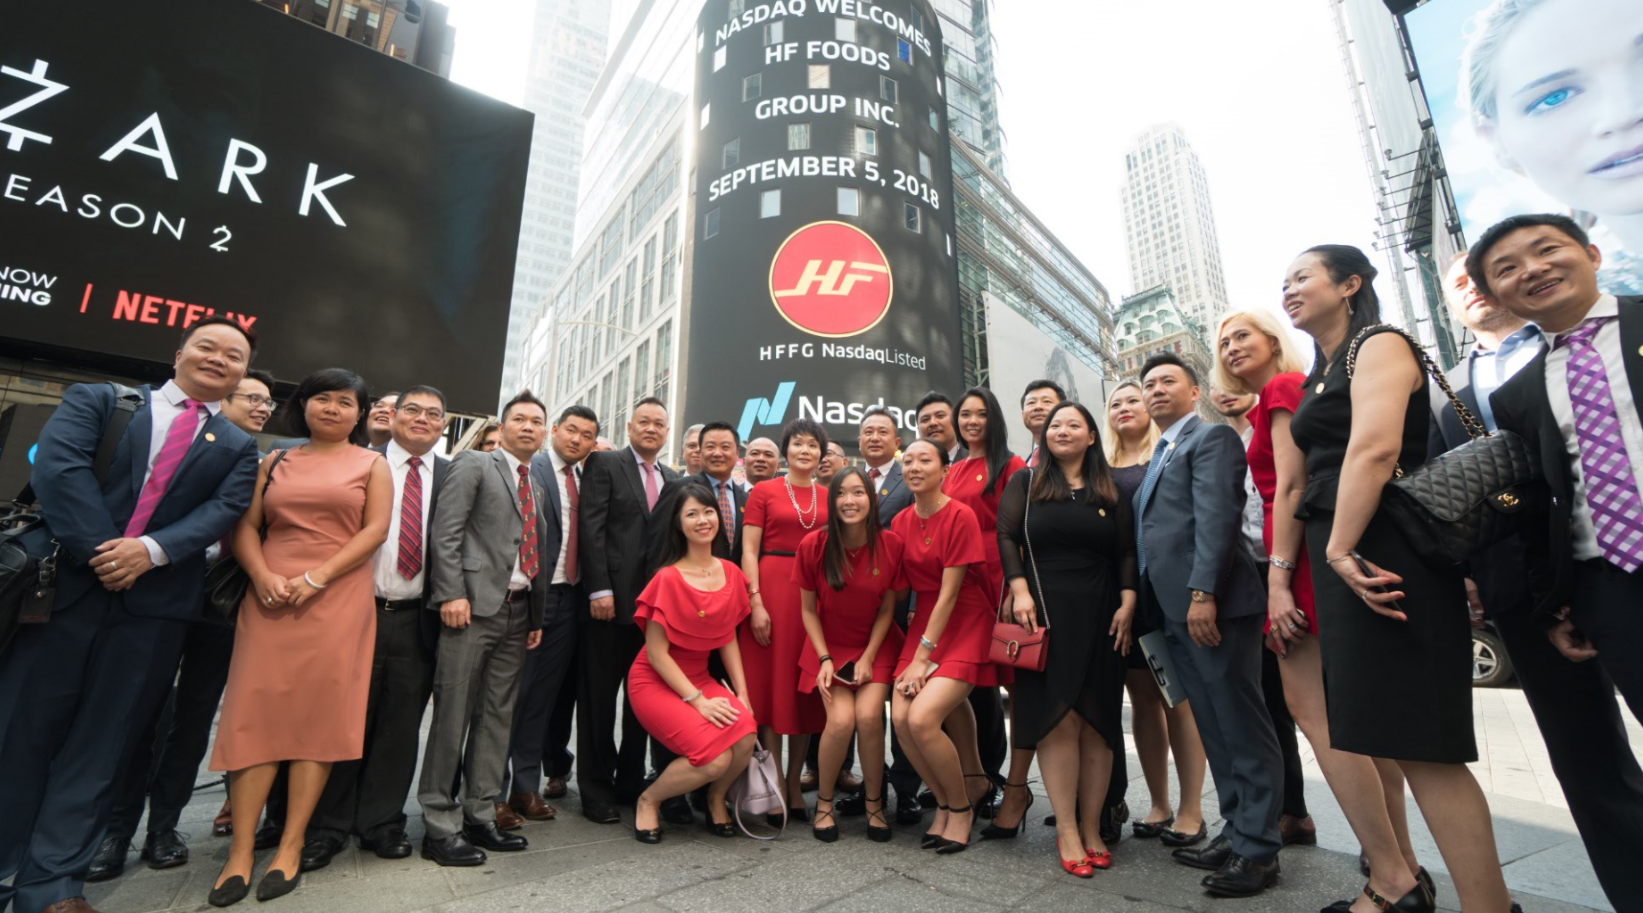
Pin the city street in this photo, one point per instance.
(574, 865)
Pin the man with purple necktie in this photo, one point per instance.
(1576, 404)
(76, 690)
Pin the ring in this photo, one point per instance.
(114, 565)
(269, 600)
(1293, 626)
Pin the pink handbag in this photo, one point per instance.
(1013, 644)
(758, 791)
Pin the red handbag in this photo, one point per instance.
(1013, 644)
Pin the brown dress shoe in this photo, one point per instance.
(849, 783)
(1295, 830)
(556, 788)
(70, 905)
(223, 824)
(807, 781)
(507, 818)
(531, 806)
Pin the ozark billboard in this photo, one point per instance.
(824, 271)
(161, 162)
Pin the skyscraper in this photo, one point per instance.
(1169, 227)
(415, 31)
(972, 95)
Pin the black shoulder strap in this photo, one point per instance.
(126, 403)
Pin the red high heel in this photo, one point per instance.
(1078, 867)
(1101, 860)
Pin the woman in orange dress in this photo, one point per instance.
(306, 635)
(780, 512)
(691, 608)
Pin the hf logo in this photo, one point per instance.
(831, 279)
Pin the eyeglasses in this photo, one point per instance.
(414, 412)
(255, 400)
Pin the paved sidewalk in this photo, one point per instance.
(574, 865)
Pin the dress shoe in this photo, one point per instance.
(851, 806)
(223, 824)
(807, 781)
(1242, 877)
(949, 847)
(532, 807)
(275, 884)
(70, 905)
(995, 831)
(492, 837)
(110, 859)
(269, 836)
(927, 799)
(1173, 837)
(506, 818)
(677, 811)
(1299, 831)
(879, 832)
(229, 892)
(1151, 830)
(1416, 901)
(1212, 856)
(988, 804)
(652, 836)
(1100, 859)
(454, 850)
(556, 788)
(600, 812)
(1112, 822)
(909, 811)
(165, 850)
(849, 783)
(317, 853)
(390, 844)
(1425, 879)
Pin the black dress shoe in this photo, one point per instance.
(229, 892)
(492, 837)
(600, 812)
(317, 853)
(110, 859)
(390, 844)
(1242, 877)
(652, 836)
(727, 829)
(908, 810)
(677, 811)
(1424, 878)
(1112, 822)
(454, 850)
(1212, 856)
(927, 799)
(165, 850)
(1418, 900)
(275, 884)
(851, 805)
(269, 836)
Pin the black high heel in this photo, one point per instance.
(933, 841)
(828, 834)
(994, 831)
(949, 847)
(1418, 900)
(229, 892)
(877, 834)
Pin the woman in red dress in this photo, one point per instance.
(1252, 358)
(848, 575)
(691, 608)
(948, 636)
(780, 512)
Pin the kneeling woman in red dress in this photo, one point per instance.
(848, 575)
(691, 608)
(948, 636)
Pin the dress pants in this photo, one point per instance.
(902, 777)
(75, 694)
(607, 775)
(545, 669)
(1223, 683)
(990, 735)
(1283, 726)
(476, 681)
(557, 759)
(166, 761)
(367, 796)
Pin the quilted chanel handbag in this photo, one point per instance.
(1013, 644)
(226, 581)
(1467, 499)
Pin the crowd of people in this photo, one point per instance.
(1240, 579)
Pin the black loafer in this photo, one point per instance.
(600, 812)
(274, 884)
(491, 837)
(454, 850)
(269, 836)
(229, 892)
(317, 853)
(677, 811)
(110, 859)
(1151, 830)
(1173, 837)
(1211, 857)
(908, 810)
(728, 829)
(1242, 877)
(927, 799)
(391, 844)
(165, 850)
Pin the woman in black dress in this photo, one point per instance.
(1067, 544)
(1395, 633)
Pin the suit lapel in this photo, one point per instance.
(630, 469)
(204, 438)
(892, 481)
(509, 483)
(1631, 346)
(139, 436)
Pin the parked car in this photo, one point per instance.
(1491, 667)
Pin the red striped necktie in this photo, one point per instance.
(410, 521)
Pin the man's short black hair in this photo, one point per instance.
(878, 412)
(581, 412)
(524, 398)
(420, 390)
(216, 321)
(930, 399)
(1475, 258)
(262, 377)
(1043, 384)
(1169, 358)
(721, 426)
(649, 401)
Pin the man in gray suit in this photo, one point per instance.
(490, 591)
(1204, 585)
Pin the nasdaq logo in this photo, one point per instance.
(761, 411)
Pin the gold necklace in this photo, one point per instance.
(923, 520)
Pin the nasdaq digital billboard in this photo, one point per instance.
(164, 162)
(824, 272)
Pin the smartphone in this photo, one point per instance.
(846, 673)
(1364, 569)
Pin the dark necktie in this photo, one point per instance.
(527, 509)
(410, 521)
(727, 509)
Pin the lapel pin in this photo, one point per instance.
(980, 477)
(1319, 388)
(883, 491)
(210, 438)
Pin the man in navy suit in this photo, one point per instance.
(76, 690)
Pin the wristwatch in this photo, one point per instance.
(1201, 596)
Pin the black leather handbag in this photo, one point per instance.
(1463, 501)
(226, 581)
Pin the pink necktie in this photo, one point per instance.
(1611, 491)
(650, 486)
(177, 442)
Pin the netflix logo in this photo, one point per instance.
(158, 310)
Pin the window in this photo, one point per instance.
(904, 50)
(924, 164)
(373, 18)
(598, 317)
(849, 202)
(641, 371)
(707, 113)
(737, 7)
(935, 120)
(621, 396)
(350, 11)
(867, 141)
(604, 395)
(844, 30)
(770, 204)
(647, 290)
(664, 359)
(629, 285)
(733, 152)
(710, 227)
(670, 254)
(912, 217)
(821, 77)
(887, 88)
(798, 137)
(773, 33)
(751, 87)
(611, 246)
(719, 59)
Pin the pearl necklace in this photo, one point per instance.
(793, 499)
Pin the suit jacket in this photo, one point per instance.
(893, 495)
(211, 489)
(477, 534)
(728, 545)
(612, 537)
(1522, 406)
(1192, 525)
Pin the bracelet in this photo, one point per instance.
(311, 582)
(826, 658)
(693, 696)
(1280, 563)
(752, 591)
(1339, 558)
(927, 642)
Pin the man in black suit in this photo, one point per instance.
(557, 474)
(619, 491)
(1573, 703)
(367, 796)
(718, 451)
(937, 422)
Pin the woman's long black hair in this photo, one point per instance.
(327, 380)
(1343, 261)
(835, 564)
(1050, 483)
(998, 433)
(674, 544)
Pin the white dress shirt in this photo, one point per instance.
(883, 469)
(390, 584)
(566, 518)
(1254, 525)
(164, 407)
(1607, 344)
(518, 581)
